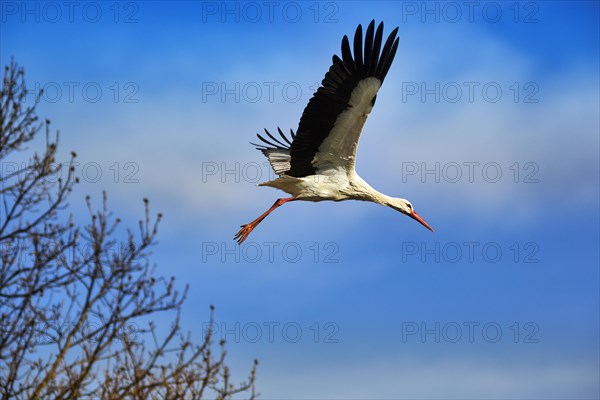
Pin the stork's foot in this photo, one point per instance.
(244, 232)
(246, 229)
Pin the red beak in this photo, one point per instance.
(416, 216)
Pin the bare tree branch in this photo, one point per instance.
(74, 312)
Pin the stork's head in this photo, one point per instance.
(405, 207)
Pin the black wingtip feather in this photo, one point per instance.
(264, 140)
(358, 53)
(388, 62)
(283, 136)
(386, 54)
(273, 138)
(260, 147)
(346, 54)
(369, 45)
(274, 143)
(376, 49)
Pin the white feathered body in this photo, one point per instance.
(334, 185)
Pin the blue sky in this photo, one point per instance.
(488, 123)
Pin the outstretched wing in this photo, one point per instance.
(330, 126)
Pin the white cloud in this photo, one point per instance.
(412, 378)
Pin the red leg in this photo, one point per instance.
(246, 229)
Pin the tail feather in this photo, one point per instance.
(277, 152)
(279, 159)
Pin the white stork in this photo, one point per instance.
(318, 163)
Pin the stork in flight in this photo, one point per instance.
(318, 163)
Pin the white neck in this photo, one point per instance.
(364, 191)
